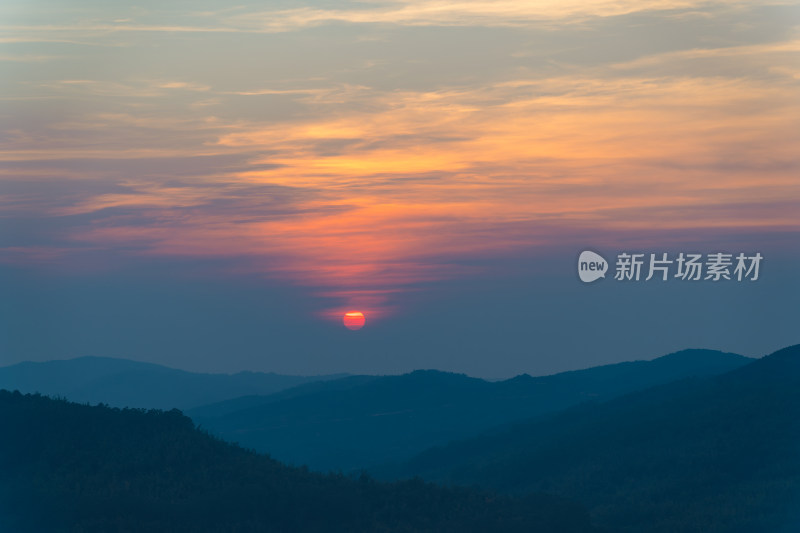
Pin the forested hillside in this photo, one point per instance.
(80, 468)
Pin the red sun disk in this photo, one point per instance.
(354, 320)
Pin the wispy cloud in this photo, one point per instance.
(495, 13)
(510, 13)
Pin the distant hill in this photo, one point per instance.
(227, 407)
(714, 454)
(361, 421)
(125, 383)
(77, 468)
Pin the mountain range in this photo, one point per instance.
(694, 441)
(363, 421)
(342, 422)
(716, 453)
(125, 383)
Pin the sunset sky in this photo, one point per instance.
(212, 186)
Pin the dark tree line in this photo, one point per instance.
(81, 468)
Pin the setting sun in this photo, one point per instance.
(354, 320)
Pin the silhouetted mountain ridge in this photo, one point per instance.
(362, 421)
(126, 383)
(714, 454)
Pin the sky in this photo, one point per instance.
(212, 186)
